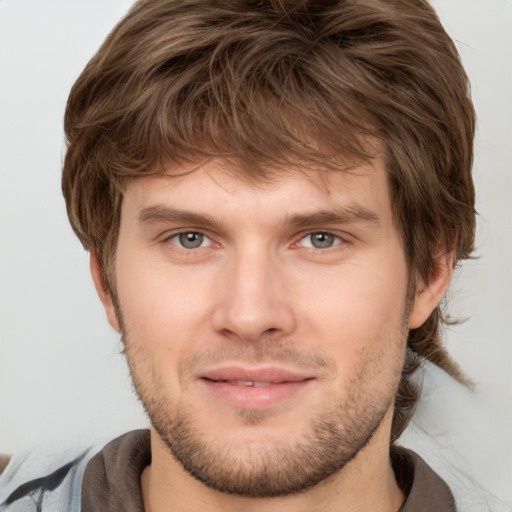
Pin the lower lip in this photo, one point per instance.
(255, 398)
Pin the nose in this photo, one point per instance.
(253, 299)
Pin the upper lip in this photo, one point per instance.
(272, 374)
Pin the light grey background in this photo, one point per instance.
(61, 375)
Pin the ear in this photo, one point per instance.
(103, 292)
(430, 294)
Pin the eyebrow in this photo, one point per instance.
(350, 214)
(158, 213)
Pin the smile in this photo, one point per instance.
(249, 383)
(253, 389)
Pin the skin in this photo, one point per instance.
(257, 294)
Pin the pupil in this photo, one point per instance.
(322, 240)
(191, 240)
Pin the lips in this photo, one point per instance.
(254, 389)
(243, 376)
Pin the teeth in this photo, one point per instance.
(249, 383)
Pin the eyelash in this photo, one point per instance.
(335, 239)
(178, 243)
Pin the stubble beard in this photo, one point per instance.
(333, 438)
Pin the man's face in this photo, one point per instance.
(265, 324)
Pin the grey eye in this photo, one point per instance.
(191, 240)
(322, 240)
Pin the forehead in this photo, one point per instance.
(218, 178)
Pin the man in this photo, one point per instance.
(274, 195)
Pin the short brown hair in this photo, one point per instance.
(268, 82)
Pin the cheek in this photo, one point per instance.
(162, 309)
(357, 314)
(359, 297)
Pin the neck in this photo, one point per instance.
(365, 483)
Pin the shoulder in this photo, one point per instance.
(455, 436)
(54, 480)
(443, 485)
(40, 480)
